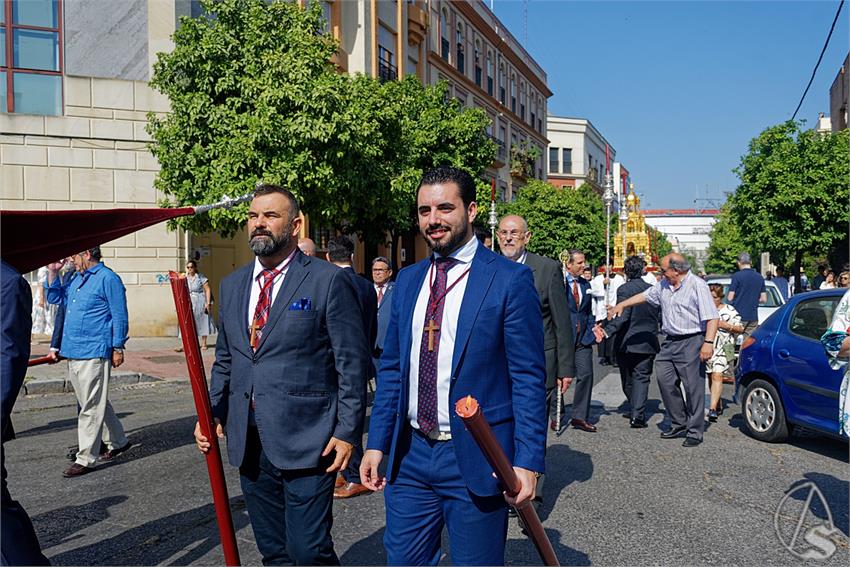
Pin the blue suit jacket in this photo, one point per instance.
(582, 315)
(498, 359)
(16, 318)
(308, 373)
(384, 310)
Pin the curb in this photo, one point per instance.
(59, 386)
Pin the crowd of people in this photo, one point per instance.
(300, 339)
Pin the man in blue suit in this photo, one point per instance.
(464, 322)
(287, 383)
(18, 544)
(581, 313)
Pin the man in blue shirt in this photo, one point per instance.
(746, 291)
(781, 282)
(93, 337)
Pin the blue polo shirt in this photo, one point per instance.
(748, 285)
(95, 313)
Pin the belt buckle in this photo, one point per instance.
(440, 435)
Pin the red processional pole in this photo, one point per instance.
(198, 380)
(470, 412)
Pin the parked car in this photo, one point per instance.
(783, 379)
(766, 309)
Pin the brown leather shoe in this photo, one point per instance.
(553, 425)
(583, 425)
(340, 481)
(76, 469)
(112, 453)
(350, 490)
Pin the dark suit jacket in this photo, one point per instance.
(582, 315)
(368, 303)
(637, 327)
(383, 315)
(558, 328)
(497, 359)
(16, 320)
(308, 372)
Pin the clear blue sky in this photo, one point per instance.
(680, 88)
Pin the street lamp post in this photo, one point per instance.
(608, 199)
(624, 218)
(493, 220)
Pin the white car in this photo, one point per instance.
(766, 309)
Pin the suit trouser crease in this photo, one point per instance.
(635, 374)
(429, 493)
(97, 420)
(583, 385)
(291, 511)
(678, 366)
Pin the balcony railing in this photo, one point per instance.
(501, 152)
(387, 71)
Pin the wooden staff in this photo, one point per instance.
(198, 380)
(469, 410)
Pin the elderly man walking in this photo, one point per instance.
(93, 337)
(689, 320)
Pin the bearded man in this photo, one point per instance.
(464, 321)
(288, 383)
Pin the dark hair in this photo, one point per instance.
(340, 249)
(633, 266)
(268, 188)
(94, 252)
(572, 254)
(448, 174)
(716, 290)
(192, 263)
(482, 234)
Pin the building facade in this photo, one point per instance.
(578, 153)
(688, 230)
(838, 95)
(74, 100)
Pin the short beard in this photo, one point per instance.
(454, 242)
(272, 245)
(513, 257)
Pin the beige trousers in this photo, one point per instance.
(97, 421)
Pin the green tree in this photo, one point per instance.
(794, 192)
(560, 219)
(725, 244)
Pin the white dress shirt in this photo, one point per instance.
(446, 334)
(255, 286)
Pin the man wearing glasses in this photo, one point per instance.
(93, 336)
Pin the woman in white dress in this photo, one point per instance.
(720, 362)
(44, 313)
(836, 342)
(201, 297)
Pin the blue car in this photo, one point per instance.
(783, 379)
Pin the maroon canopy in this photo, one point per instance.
(31, 239)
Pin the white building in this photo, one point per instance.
(578, 153)
(687, 230)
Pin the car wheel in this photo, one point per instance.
(764, 416)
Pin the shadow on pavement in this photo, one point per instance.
(835, 492)
(578, 467)
(368, 551)
(522, 551)
(806, 439)
(180, 539)
(158, 438)
(59, 526)
(60, 425)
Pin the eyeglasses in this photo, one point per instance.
(511, 233)
(380, 269)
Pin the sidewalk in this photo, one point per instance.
(146, 359)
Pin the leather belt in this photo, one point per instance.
(435, 435)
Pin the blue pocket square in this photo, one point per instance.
(303, 304)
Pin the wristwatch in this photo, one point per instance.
(118, 350)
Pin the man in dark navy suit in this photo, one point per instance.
(341, 254)
(19, 544)
(581, 313)
(636, 343)
(465, 322)
(383, 285)
(287, 383)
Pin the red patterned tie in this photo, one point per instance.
(578, 304)
(426, 412)
(264, 303)
(380, 295)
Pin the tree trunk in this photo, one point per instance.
(798, 281)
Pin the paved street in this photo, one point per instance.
(617, 497)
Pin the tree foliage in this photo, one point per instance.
(254, 97)
(725, 244)
(794, 192)
(561, 219)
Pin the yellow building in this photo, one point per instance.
(636, 241)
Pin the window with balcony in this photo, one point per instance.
(513, 94)
(460, 61)
(478, 62)
(502, 83)
(444, 35)
(387, 70)
(567, 160)
(522, 101)
(31, 57)
(490, 73)
(553, 160)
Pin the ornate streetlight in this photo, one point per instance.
(494, 219)
(608, 199)
(624, 218)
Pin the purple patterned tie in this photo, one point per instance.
(429, 349)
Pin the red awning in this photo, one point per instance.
(31, 239)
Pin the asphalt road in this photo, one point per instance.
(616, 497)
